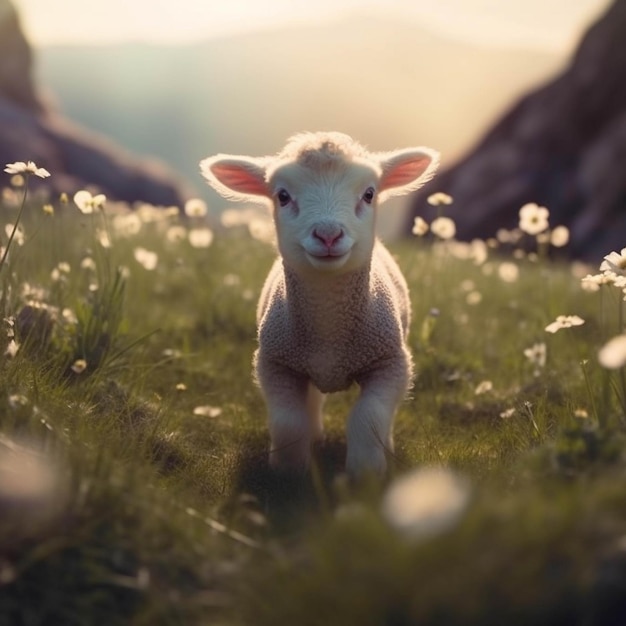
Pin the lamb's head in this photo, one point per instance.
(324, 188)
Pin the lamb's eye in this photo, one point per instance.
(368, 196)
(283, 197)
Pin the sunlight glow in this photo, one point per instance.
(553, 25)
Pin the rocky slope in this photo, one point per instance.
(77, 158)
(562, 146)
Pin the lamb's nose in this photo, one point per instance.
(329, 235)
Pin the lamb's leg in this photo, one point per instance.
(369, 429)
(315, 403)
(286, 396)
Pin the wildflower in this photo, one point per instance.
(613, 354)
(564, 321)
(17, 180)
(592, 282)
(103, 238)
(195, 208)
(439, 198)
(79, 366)
(483, 387)
(480, 252)
(181, 387)
(533, 219)
(200, 237)
(536, 354)
(88, 264)
(88, 203)
(443, 227)
(9, 197)
(19, 167)
(17, 400)
(18, 235)
(425, 502)
(63, 199)
(69, 316)
(207, 411)
(508, 272)
(127, 224)
(48, 209)
(12, 348)
(504, 236)
(10, 322)
(176, 233)
(262, 229)
(473, 298)
(231, 280)
(507, 413)
(146, 258)
(615, 262)
(581, 414)
(559, 237)
(420, 226)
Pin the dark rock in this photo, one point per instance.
(562, 146)
(77, 158)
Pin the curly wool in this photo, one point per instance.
(336, 334)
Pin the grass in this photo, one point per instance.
(134, 484)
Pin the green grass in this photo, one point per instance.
(130, 422)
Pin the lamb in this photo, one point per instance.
(335, 308)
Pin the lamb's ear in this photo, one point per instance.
(236, 177)
(405, 170)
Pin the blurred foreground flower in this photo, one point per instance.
(88, 203)
(564, 321)
(19, 167)
(533, 219)
(425, 502)
(613, 354)
(31, 489)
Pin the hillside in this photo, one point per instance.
(388, 82)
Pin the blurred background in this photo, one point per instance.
(127, 97)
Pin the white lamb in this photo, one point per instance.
(335, 308)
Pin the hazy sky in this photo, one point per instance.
(547, 24)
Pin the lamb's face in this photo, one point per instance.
(325, 189)
(325, 217)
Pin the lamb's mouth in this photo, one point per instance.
(328, 257)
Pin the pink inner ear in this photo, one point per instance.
(404, 172)
(240, 178)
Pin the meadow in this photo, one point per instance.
(134, 484)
